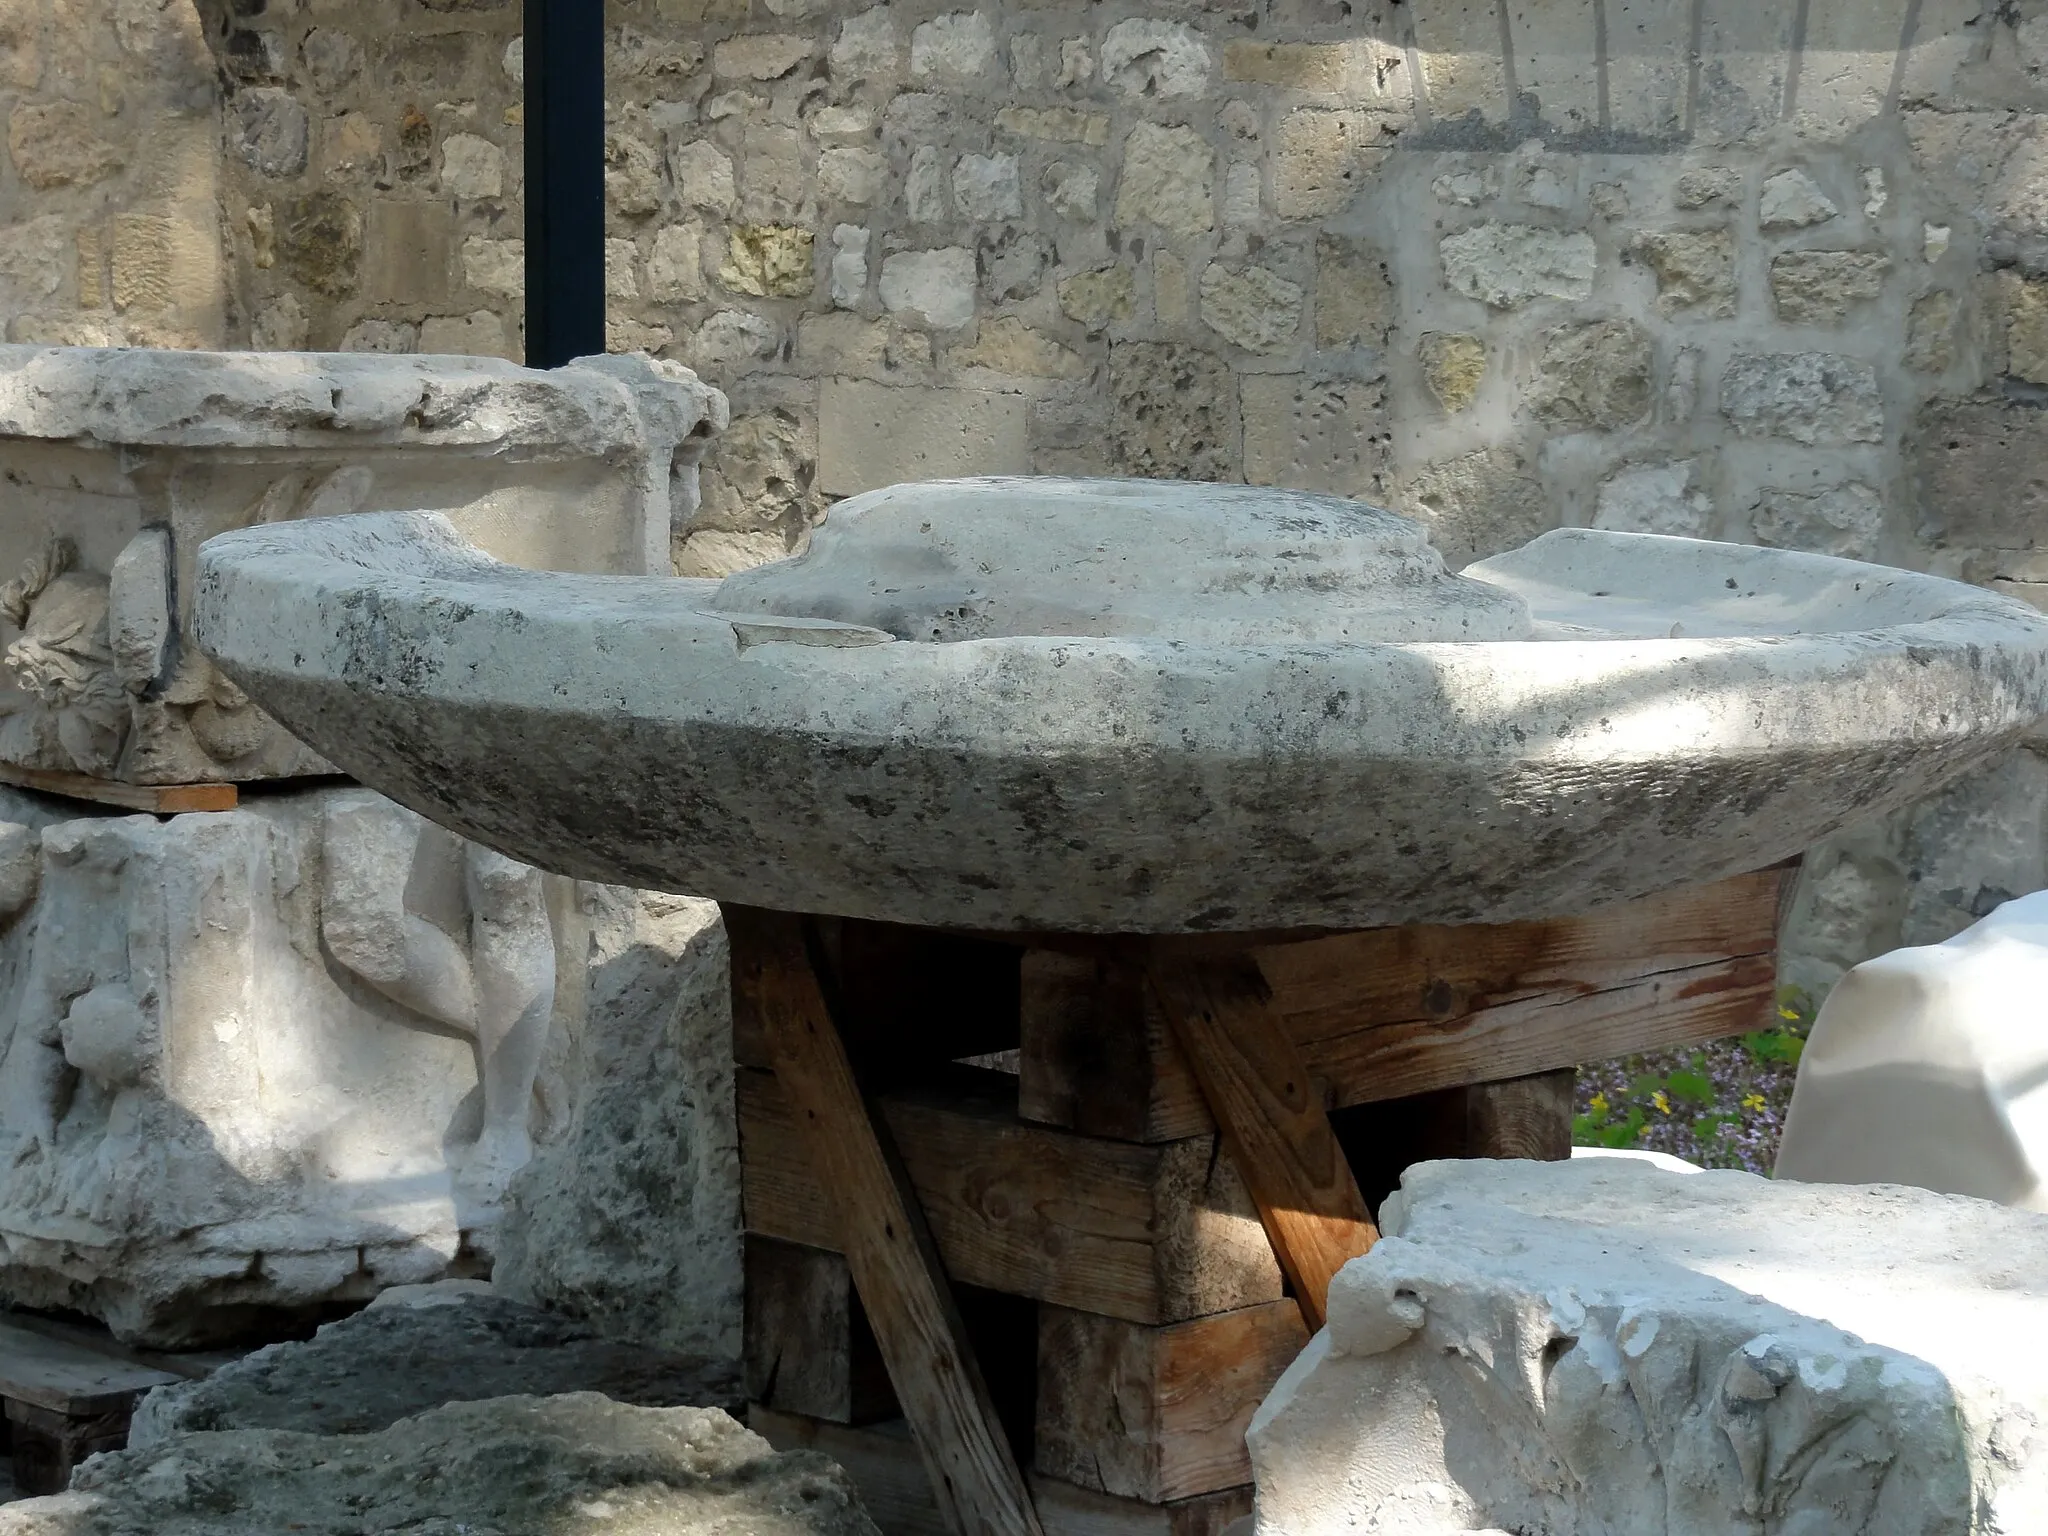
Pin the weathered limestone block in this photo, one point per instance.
(265, 1060)
(120, 463)
(575, 1465)
(1926, 1067)
(1608, 1349)
(416, 1348)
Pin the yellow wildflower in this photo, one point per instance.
(1597, 1104)
(1753, 1101)
(1790, 1015)
(1663, 1104)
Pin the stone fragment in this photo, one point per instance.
(1099, 299)
(472, 168)
(1354, 297)
(732, 336)
(1609, 200)
(320, 242)
(1149, 58)
(1007, 345)
(1323, 158)
(1793, 200)
(1466, 188)
(675, 267)
(1063, 125)
(1934, 241)
(1072, 191)
(872, 435)
(1027, 61)
(478, 334)
(585, 1466)
(760, 486)
(1173, 413)
(495, 266)
(1915, 1073)
(1172, 290)
(417, 1348)
(853, 124)
(936, 286)
(759, 56)
(1453, 366)
(281, 326)
(985, 187)
(849, 264)
(1517, 1318)
(389, 337)
(1311, 434)
(867, 46)
(1656, 498)
(1815, 398)
(959, 46)
(2026, 328)
(624, 335)
(767, 261)
(1845, 519)
(351, 143)
(1323, 69)
(1507, 265)
(842, 343)
(1822, 287)
(926, 194)
(1876, 195)
(775, 185)
(1695, 271)
(1711, 187)
(275, 131)
(1930, 333)
(53, 145)
(703, 175)
(1013, 266)
(1256, 309)
(1168, 179)
(621, 269)
(852, 175)
(1545, 186)
(1242, 196)
(1478, 504)
(1593, 376)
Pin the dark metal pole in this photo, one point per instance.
(564, 180)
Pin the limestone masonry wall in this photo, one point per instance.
(1762, 272)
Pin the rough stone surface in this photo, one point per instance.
(1809, 397)
(1793, 200)
(1922, 1069)
(1507, 265)
(1845, 519)
(1597, 1345)
(1173, 413)
(1254, 309)
(1656, 498)
(1453, 366)
(275, 1058)
(1478, 504)
(1594, 376)
(1695, 271)
(184, 442)
(365, 1373)
(1800, 656)
(1981, 474)
(1824, 287)
(936, 287)
(574, 1465)
(1168, 179)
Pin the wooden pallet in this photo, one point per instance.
(156, 799)
(68, 1394)
(1049, 1300)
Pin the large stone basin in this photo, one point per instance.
(1129, 706)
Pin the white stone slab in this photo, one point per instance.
(1164, 707)
(120, 463)
(1603, 1348)
(1929, 1066)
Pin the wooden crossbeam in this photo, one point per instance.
(882, 1231)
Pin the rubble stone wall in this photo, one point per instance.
(1762, 272)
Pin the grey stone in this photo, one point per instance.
(1981, 474)
(959, 46)
(1155, 58)
(1478, 504)
(1255, 309)
(1822, 287)
(1656, 498)
(874, 435)
(1593, 377)
(1169, 179)
(575, 1465)
(1556, 819)
(275, 131)
(365, 1373)
(985, 187)
(1601, 1345)
(1710, 187)
(1793, 200)
(1816, 398)
(1845, 520)
(936, 287)
(1695, 270)
(1508, 265)
(1173, 412)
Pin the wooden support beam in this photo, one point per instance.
(155, 799)
(1151, 1234)
(892, 1485)
(1527, 1117)
(1157, 1414)
(808, 1346)
(1274, 1121)
(974, 1477)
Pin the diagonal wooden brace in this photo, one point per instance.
(1261, 1093)
(895, 1266)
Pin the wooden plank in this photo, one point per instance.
(884, 1467)
(191, 1364)
(1157, 1413)
(1096, 1055)
(47, 1447)
(1524, 1117)
(1152, 1234)
(1465, 1004)
(69, 1379)
(1274, 1120)
(895, 1264)
(158, 799)
(808, 1347)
